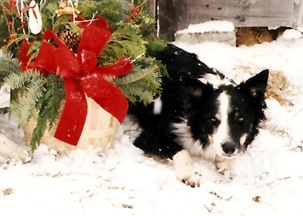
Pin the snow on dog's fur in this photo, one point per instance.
(200, 112)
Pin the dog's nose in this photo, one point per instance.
(229, 148)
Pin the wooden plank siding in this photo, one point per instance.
(243, 13)
(176, 15)
(172, 16)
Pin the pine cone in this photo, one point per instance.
(71, 39)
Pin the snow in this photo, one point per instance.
(216, 31)
(122, 181)
(5, 96)
(211, 26)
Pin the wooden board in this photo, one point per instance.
(243, 12)
(152, 7)
(172, 16)
(176, 15)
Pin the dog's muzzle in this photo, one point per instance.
(230, 149)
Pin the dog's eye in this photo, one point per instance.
(240, 119)
(214, 120)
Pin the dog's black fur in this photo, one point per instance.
(187, 100)
(156, 128)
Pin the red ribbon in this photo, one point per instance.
(82, 76)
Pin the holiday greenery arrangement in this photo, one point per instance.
(57, 53)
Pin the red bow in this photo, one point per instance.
(81, 75)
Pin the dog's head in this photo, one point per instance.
(224, 118)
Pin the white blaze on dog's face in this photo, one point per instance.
(221, 134)
(221, 139)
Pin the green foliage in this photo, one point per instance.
(155, 44)
(10, 24)
(145, 22)
(35, 47)
(50, 20)
(125, 41)
(49, 110)
(143, 83)
(3, 32)
(113, 11)
(42, 94)
(8, 65)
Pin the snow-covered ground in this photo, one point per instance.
(268, 179)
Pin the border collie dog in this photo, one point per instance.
(200, 112)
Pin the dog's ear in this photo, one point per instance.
(256, 85)
(190, 85)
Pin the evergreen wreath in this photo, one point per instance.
(41, 90)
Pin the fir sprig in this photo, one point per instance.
(143, 83)
(49, 110)
(125, 41)
(8, 65)
(42, 94)
(113, 11)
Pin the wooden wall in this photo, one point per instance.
(175, 15)
(243, 12)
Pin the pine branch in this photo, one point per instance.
(49, 111)
(143, 83)
(113, 11)
(48, 13)
(125, 41)
(134, 77)
(8, 65)
(36, 88)
(18, 80)
(155, 44)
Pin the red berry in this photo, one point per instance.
(135, 10)
(23, 22)
(128, 19)
(13, 36)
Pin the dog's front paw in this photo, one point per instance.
(194, 180)
(185, 169)
(225, 166)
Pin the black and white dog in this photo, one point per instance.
(200, 112)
